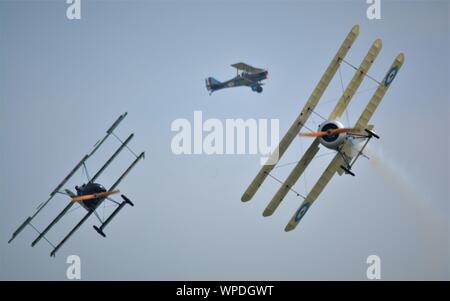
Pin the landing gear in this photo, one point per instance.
(348, 160)
(257, 88)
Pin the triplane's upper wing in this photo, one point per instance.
(304, 115)
(247, 68)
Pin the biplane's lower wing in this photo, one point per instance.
(242, 81)
(304, 115)
(340, 107)
(334, 165)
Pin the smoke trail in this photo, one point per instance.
(434, 225)
(399, 179)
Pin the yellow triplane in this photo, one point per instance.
(332, 134)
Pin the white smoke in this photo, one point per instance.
(435, 228)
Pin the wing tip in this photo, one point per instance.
(267, 212)
(246, 197)
(289, 227)
(378, 43)
(401, 57)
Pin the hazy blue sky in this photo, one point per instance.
(62, 83)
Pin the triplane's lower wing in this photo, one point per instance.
(315, 191)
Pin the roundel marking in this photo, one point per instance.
(390, 76)
(301, 212)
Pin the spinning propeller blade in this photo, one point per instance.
(86, 197)
(330, 132)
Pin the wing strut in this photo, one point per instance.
(57, 218)
(71, 232)
(124, 144)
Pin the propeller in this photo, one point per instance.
(86, 197)
(330, 132)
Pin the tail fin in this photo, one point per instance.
(211, 82)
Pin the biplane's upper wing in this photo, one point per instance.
(304, 115)
(334, 165)
(340, 107)
(247, 68)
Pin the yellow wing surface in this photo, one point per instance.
(338, 160)
(340, 107)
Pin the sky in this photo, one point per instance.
(63, 82)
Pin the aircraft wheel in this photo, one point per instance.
(259, 89)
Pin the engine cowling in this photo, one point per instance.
(332, 141)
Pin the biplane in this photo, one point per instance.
(348, 143)
(246, 75)
(89, 195)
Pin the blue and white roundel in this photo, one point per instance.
(301, 212)
(390, 76)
